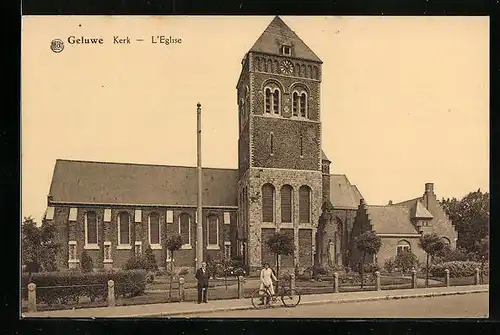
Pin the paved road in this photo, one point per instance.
(473, 305)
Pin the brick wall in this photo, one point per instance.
(305, 250)
(287, 261)
(287, 85)
(107, 231)
(388, 249)
(259, 177)
(286, 144)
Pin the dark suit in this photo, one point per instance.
(202, 284)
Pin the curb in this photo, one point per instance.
(319, 302)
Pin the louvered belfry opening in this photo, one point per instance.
(268, 203)
(286, 204)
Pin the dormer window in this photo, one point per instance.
(286, 50)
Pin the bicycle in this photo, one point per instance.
(289, 297)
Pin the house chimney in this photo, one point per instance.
(390, 202)
(429, 188)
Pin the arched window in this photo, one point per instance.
(286, 203)
(272, 100)
(303, 105)
(295, 104)
(124, 228)
(154, 229)
(185, 228)
(299, 103)
(403, 246)
(213, 231)
(276, 101)
(304, 204)
(316, 73)
(268, 203)
(90, 228)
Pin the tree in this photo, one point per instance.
(471, 217)
(151, 264)
(368, 243)
(39, 248)
(172, 244)
(483, 252)
(86, 262)
(280, 243)
(432, 244)
(405, 261)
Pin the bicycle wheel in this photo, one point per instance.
(290, 298)
(259, 297)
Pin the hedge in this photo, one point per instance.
(458, 269)
(69, 286)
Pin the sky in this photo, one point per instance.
(404, 100)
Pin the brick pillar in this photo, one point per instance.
(181, 289)
(414, 278)
(241, 290)
(31, 297)
(335, 282)
(377, 281)
(111, 293)
(446, 277)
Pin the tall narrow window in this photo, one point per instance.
(301, 146)
(91, 228)
(295, 104)
(276, 101)
(286, 203)
(124, 231)
(268, 203)
(303, 105)
(185, 228)
(271, 144)
(154, 229)
(304, 204)
(268, 100)
(213, 230)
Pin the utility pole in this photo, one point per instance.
(199, 223)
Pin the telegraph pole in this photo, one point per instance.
(199, 223)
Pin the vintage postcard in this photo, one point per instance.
(255, 167)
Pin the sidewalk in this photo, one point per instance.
(189, 308)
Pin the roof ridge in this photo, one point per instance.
(140, 164)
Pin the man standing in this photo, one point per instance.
(202, 275)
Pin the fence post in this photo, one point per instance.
(377, 281)
(111, 293)
(241, 280)
(476, 276)
(336, 282)
(292, 281)
(31, 297)
(446, 277)
(181, 289)
(413, 278)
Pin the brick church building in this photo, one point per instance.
(283, 181)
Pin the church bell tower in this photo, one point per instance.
(279, 146)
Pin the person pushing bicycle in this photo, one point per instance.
(266, 281)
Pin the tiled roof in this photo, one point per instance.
(420, 212)
(323, 156)
(342, 193)
(391, 219)
(120, 183)
(278, 33)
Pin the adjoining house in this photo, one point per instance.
(401, 225)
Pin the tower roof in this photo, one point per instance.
(324, 157)
(277, 34)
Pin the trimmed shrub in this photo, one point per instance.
(68, 286)
(458, 269)
(452, 255)
(354, 279)
(86, 262)
(150, 259)
(405, 261)
(136, 263)
(368, 267)
(389, 265)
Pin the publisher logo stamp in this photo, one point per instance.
(57, 45)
